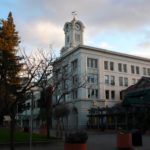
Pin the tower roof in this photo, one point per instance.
(73, 34)
(74, 21)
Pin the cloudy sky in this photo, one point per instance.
(118, 25)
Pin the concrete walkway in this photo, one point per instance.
(96, 141)
(107, 141)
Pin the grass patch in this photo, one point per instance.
(19, 136)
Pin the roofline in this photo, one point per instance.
(113, 52)
(103, 51)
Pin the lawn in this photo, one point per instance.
(19, 136)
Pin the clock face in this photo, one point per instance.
(77, 27)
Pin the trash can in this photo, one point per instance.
(136, 137)
(26, 129)
(124, 141)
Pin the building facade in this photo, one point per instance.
(31, 111)
(96, 75)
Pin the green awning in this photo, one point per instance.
(141, 98)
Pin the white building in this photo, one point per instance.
(31, 111)
(104, 72)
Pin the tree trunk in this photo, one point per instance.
(47, 123)
(12, 128)
(48, 97)
(48, 101)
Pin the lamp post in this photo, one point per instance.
(31, 120)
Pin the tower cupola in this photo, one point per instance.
(73, 34)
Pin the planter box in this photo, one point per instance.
(124, 141)
(43, 131)
(69, 146)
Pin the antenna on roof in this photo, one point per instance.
(74, 14)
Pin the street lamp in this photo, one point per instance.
(31, 119)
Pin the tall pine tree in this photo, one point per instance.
(9, 71)
(9, 68)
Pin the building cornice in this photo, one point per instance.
(105, 51)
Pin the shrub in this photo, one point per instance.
(76, 137)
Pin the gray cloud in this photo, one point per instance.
(120, 14)
(97, 15)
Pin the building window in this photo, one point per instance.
(106, 65)
(120, 67)
(92, 93)
(64, 71)
(132, 69)
(125, 67)
(64, 84)
(133, 81)
(106, 79)
(111, 66)
(92, 63)
(148, 71)
(125, 81)
(112, 94)
(107, 94)
(121, 81)
(75, 94)
(137, 70)
(74, 80)
(93, 78)
(34, 104)
(74, 64)
(144, 71)
(112, 80)
(28, 105)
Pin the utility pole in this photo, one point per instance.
(31, 120)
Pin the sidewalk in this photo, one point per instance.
(96, 141)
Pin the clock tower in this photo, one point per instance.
(73, 35)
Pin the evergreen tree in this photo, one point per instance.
(10, 67)
(9, 71)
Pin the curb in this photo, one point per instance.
(34, 143)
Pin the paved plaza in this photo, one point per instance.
(96, 141)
